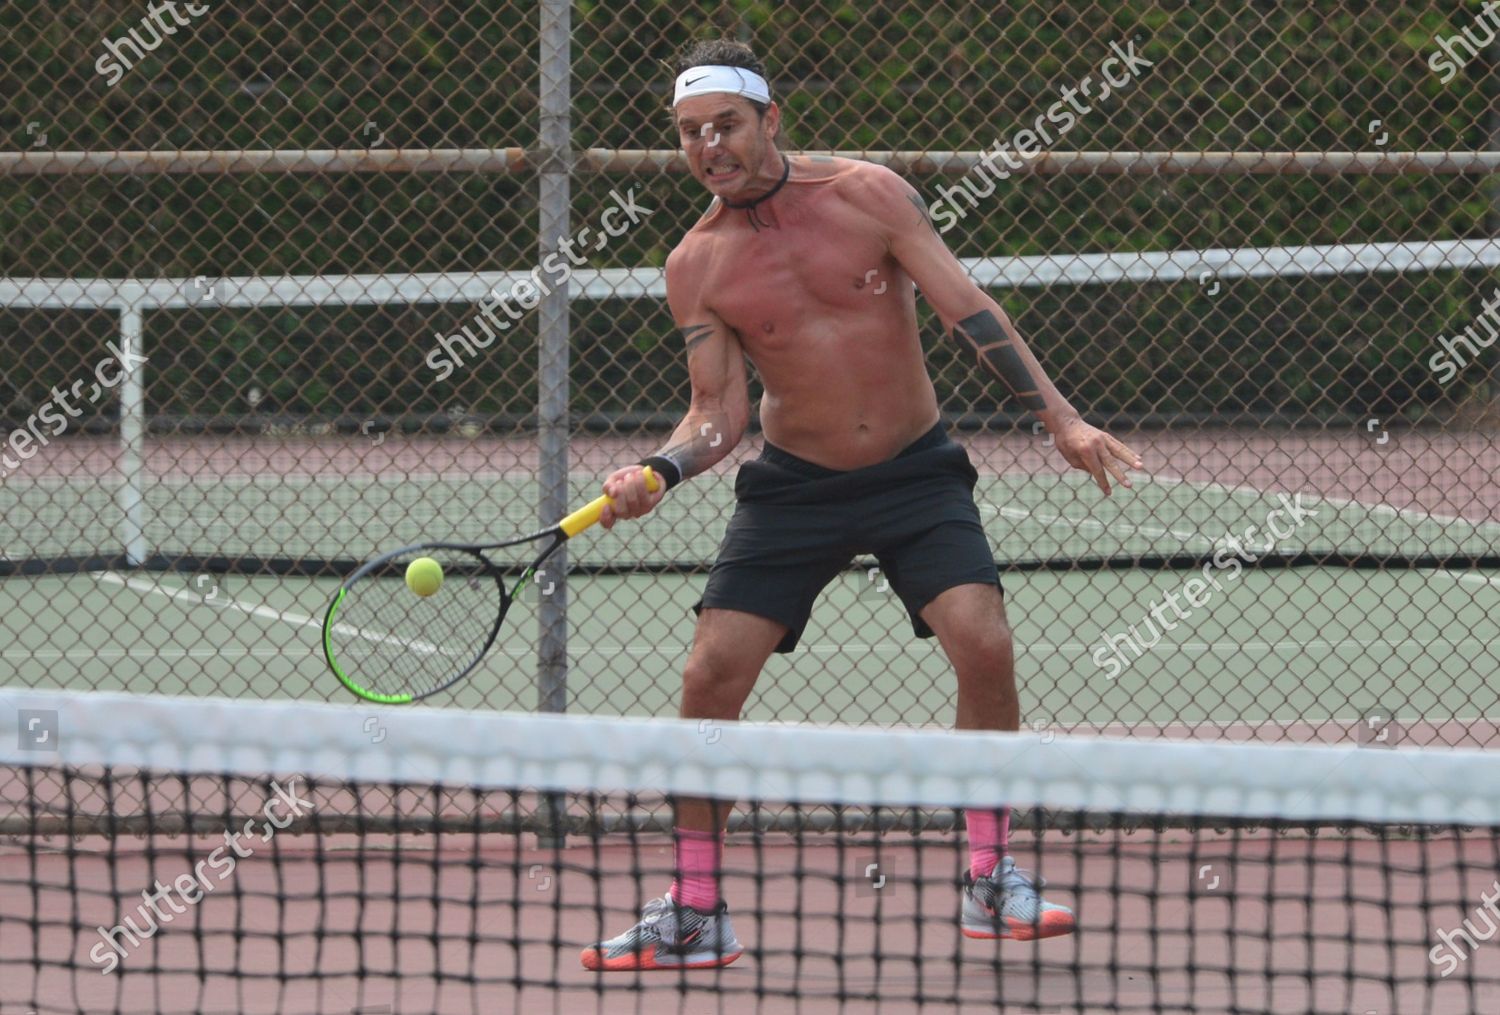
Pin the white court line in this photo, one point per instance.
(266, 613)
(501, 477)
(1469, 579)
(820, 649)
(1126, 529)
(153, 653)
(1225, 724)
(1376, 509)
(287, 479)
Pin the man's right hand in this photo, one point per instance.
(626, 489)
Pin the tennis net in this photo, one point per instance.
(175, 855)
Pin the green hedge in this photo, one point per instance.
(884, 74)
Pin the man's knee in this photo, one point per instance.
(724, 663)
(714, 687)
(978, 632)
(709, 667)
(987, 648)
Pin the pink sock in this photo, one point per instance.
(989, 832)
(695, 861)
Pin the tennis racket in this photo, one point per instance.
(390, 645)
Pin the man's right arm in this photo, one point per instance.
(719, 409)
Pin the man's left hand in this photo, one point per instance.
(1095, 452)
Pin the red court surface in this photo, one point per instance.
(1163, 919)
(1448, 474)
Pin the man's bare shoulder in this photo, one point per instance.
(688, 264)
(870, 187)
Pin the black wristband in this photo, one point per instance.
(664, 468)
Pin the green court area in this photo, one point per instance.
(1279, 647)
(1265, 651)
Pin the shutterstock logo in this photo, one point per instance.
(49, 421)
(1449, 359)
(1448, 953)
(1109, 654)
(1116, 73)
(1474, 40)
(191, 886)
(118, 58)
(452, 351)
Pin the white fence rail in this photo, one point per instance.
(132, 298)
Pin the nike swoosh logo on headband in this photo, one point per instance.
(695, 80)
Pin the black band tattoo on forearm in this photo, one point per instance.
(695, 334)
(688, 458)
(986, 339)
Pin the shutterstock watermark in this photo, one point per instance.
(1456, 956)
(1109, 654)
(524, 295)
(1449, 361)
(1024, 142)
(115, 62)
(192, 886)
(1485, 21)
(23, 444)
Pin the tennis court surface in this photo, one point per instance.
(1371, 607)
(407, 874)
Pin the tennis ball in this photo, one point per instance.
(424, 576)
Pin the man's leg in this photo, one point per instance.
(691, 929)
(970, 623)
(1000, 901)
(729, 650)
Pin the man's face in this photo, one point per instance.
(726, 141)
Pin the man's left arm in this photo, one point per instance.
(976, 322)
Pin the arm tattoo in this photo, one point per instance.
(694, 334)
(982, 335)
(693, 456)
(688, 458)
(921, 206)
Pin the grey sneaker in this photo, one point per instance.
(1006, 903)
(669, 936)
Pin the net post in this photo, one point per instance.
(553, 196)
(130, 496)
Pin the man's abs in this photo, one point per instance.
(841, 425)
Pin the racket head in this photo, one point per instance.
(389, 645)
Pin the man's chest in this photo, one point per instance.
(762, 283)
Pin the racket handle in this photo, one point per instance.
(590, 512)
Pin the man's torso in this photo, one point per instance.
(825, 314)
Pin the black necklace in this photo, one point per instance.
(749, 206)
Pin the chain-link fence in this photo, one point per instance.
(248, 250)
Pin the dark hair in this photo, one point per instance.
(725, 53)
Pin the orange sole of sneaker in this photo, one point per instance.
(594, 960)
(1021, 931)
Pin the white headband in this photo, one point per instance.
(717, 78)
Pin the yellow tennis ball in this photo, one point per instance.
(424, 576)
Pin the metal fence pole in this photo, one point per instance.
(553, 197)
(1492, 408)
(130, 497)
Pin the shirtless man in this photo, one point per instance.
(779, 270)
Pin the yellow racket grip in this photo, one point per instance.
(589, 513)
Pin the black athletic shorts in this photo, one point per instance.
(796, 525)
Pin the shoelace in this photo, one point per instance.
(652, 915)
(1019, 877)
